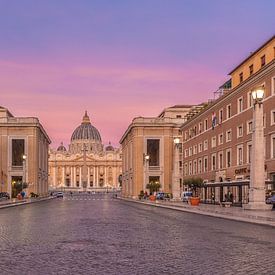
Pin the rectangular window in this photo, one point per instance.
(273, 146)
(18, 150)
(228, 111)
(194, 167)
(190, 168)
(220, 139)
(195, 149)
(205, 164)
(251, 69)
(240, 154)
(240, 105)
(228, 135)
(200, 127)
(190, 151)
(205, 124)
(186, 136)
(205, 145)
(213, 162)
(200, 147)
(220, 116)
(241, 77)
(220, 160)
(213, 142)
(249, 152)
(273, 85)
(200, 166)
(240, 131)
(262, 60)
(272, 120)
(153, 151)
(249, 99)
(228, 158)
(185, 169)
(249, 127)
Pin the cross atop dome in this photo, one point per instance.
(86, 119)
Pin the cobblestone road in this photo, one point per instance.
(96, 234)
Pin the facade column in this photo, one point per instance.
(97, 179)
(71, 176)
(80, 176)
(89, 176)
(94, 179)
(175, 179)
(63, 176)
(257, 176)
(105, 176)
(74, 184)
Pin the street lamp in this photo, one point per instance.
(175, 180)
(146, 159)
(24, 171)
(257, 176)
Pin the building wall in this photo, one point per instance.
(102, 170)
(36, 149)
(135, 170)
(236, 170)
(267, 50)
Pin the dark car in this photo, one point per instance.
(4, 195)
(271, 200)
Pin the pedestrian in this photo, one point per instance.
(213, 197)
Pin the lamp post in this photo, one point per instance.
(146, 159)
(24, 171)
(257, 174)
(175, 180)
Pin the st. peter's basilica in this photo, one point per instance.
(86, 164)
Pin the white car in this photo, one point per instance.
(186, 195)
(59, 195)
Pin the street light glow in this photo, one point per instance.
(258, 94)
(24, 157)
(176, 140)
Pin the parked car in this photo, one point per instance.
(4, 195)
(186, 195)
(59, 195)
(271, 200)
(163, 196)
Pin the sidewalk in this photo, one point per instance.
(231, 213)
(16, 202)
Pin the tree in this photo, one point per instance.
(153, 187)
(194, 183)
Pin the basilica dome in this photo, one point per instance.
(86, 131)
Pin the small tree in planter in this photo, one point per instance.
(194, 183)
(153, 187)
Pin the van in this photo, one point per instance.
(186, 195)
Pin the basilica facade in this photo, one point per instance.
(87, 164)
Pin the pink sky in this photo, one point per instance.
(120, 59)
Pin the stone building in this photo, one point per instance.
(148, 151)
(24, 146)
(87, 164)
(217, 142)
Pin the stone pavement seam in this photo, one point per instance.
(229, 216)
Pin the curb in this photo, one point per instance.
(255, 220)
(24, 202)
